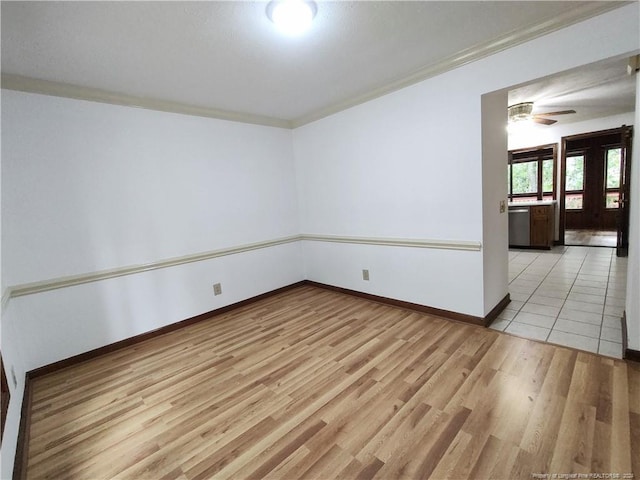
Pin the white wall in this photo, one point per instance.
(494, 192)
(89, 186)
(379, 170)
(632, 306)
(94, 186)
(387, 168)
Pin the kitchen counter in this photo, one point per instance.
(531, 224)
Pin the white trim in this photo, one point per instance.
(467, 56)
(398, 242)
(73, 280)
(65, 90)
(6, 296)
(511, 39)
(62, 282)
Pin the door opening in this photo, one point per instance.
(594, 189)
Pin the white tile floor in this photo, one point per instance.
(571, 296)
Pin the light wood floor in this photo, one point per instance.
(591, 238)
(319, 385)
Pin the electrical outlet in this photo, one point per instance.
(503, 206)
(13, 377)
(365, 275)
(217, 289)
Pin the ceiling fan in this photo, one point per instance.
(523, 111)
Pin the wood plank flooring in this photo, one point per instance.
(591, 238)
(316, 384)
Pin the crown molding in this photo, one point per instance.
(516, 37)
(464, 57)
(57, 89)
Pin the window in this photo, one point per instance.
(574, 183)
(547, 179)
(530, 174)
(612, 177)
(525, 178)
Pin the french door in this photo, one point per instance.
(594, 188)
(622, 247)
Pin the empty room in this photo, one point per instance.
(299, 239)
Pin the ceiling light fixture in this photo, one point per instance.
(521, 111)
(292, 17)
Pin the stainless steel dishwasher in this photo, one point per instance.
(519, 230)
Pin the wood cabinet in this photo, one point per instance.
(532, 225)
(541, 226)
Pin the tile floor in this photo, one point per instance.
(571, 296)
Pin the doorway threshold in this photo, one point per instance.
(591, 238)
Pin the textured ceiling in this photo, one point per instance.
(228, 56)
(593, 91)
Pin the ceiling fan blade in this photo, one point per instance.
(549, 114)
(544, 121)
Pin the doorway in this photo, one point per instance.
(594, 190)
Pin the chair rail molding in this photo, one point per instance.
(73, 280)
